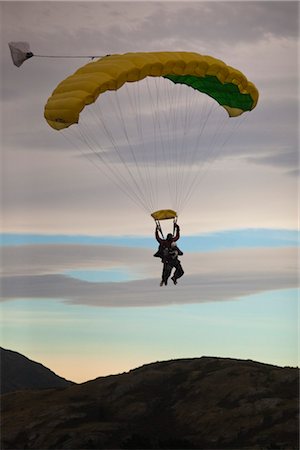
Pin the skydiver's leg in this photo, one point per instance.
(163, 275)
(178, 272)
(166, 273)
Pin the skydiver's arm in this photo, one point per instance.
(159, 239)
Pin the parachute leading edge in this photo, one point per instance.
(228, 86)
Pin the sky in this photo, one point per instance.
(79, 285)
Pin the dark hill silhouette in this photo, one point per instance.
(201, 403)
(19, 373)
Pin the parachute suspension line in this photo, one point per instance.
(188, 112)
(200, 114)
(181, 109)
(134, 188)
(132, 103)
(118, 113)
(174, 125)
(154, 163)
(166, 113)
(175, 151)
(155, 104)
(117, 177)
(180, 150)
(171, 113)
(183, 121)
(214, 154)
(196, 166)
(100, 168)
(237, 124)
(147, 160)
(173, 116)
(216, 148)
(178, 108)
(158, 143)
(156, 132)
(134, 96)
(86, 136)
(208, 156)
(130, 146)
(177, 112)
(185, 153)
(191, 160)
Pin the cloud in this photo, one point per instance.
(210, 24)
(284, 157)
(46, 188)
(49, 259)
(38, 272)
(53, 193)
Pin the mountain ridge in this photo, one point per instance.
(19, 372)
(201, 403)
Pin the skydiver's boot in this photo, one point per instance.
(174, 280)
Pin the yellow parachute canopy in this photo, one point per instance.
(228, 86)
(155, 137)
(164, 214)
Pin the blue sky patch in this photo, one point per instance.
(246, 238)
(97, 276)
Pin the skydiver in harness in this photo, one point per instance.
(168, 252)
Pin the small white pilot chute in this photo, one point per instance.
(20, 51)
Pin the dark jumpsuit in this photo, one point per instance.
(169, 257)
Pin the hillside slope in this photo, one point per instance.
(202, 403)
(19, 373)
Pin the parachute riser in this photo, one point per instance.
(174, 225)
(159, 228)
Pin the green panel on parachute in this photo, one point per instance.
(224, 93)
